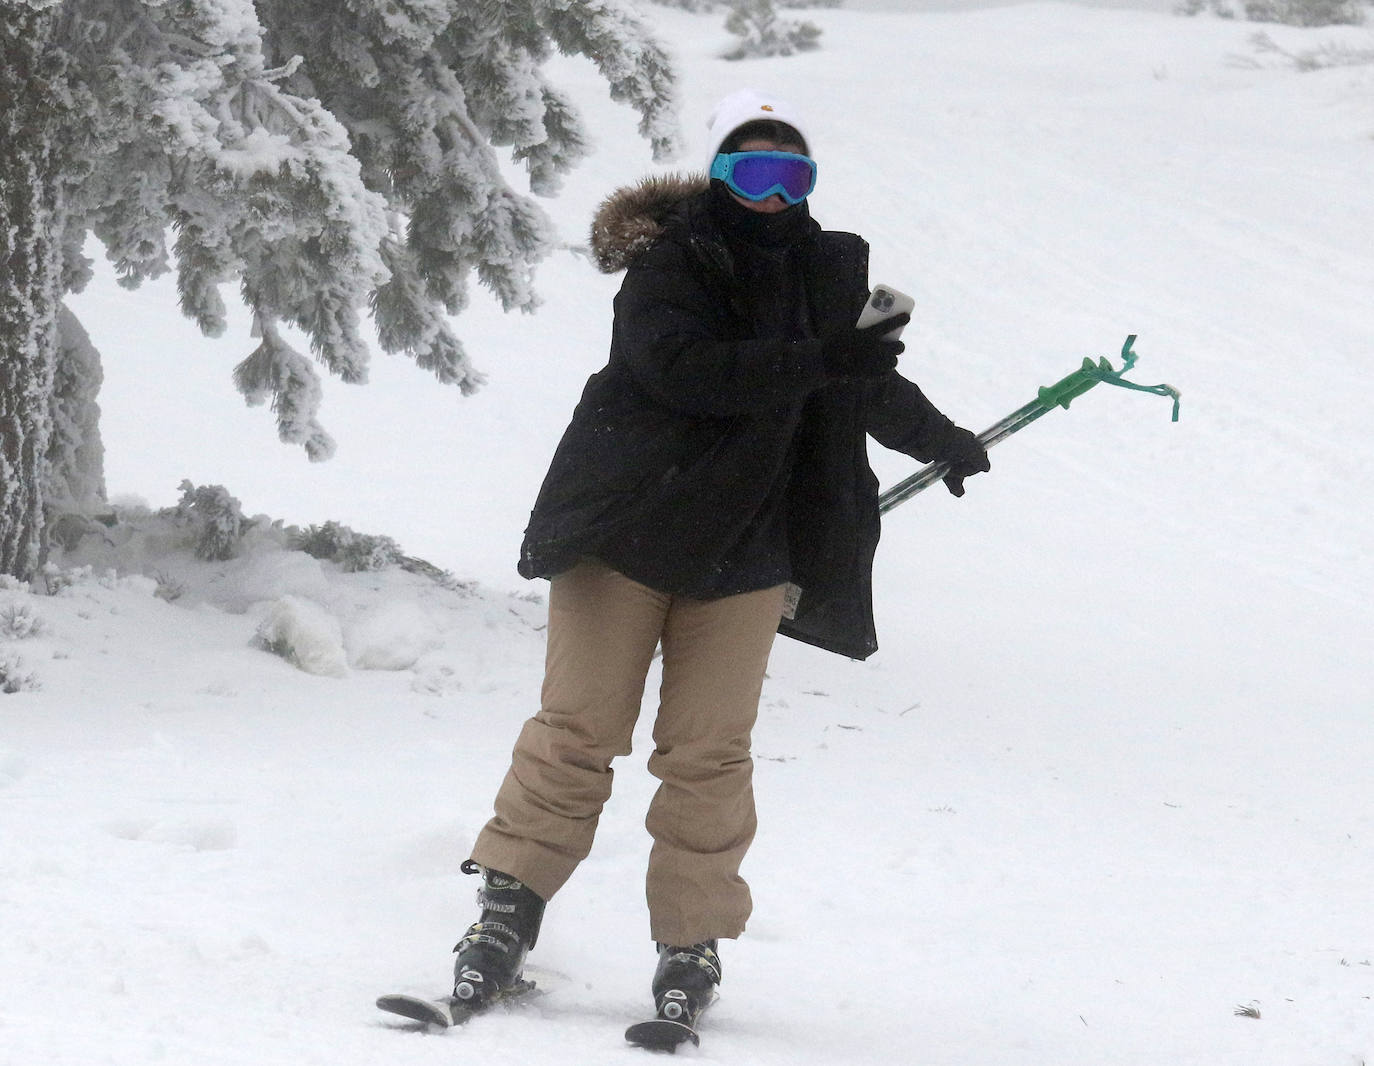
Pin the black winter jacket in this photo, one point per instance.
(693, 418)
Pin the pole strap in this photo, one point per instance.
(1074, 385)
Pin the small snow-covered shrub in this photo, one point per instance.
(14, 676)
(353, 552)
(216, 516)
(1220, 8)
(1328, 54)
(763, 33)
(57, 580)
(128, 507)
(66, 531)
(712, 5)
(441, 577)
(1306, 12)
(18, 622)
(305, 635)
(168, 588)
(1289, 12)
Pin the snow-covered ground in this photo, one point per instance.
(1107, 781)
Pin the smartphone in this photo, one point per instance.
(885, 302)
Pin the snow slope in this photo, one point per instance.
(1106, 782)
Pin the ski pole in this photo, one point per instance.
(1060, 394)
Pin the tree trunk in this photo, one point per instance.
(30, 285)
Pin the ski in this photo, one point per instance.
(661, 1034)
(450, 1010)
(674, 1026)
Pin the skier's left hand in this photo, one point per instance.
(965, 456)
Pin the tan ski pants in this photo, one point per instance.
(603, 630)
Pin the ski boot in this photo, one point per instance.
(491, 955)
(685, 981)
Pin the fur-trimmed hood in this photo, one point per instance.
(632, 218)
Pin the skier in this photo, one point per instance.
(716, 461)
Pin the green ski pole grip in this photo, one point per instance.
(1070, 387)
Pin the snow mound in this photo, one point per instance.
(315, 613)
(391, 636)
(305, 635)
(181, 835)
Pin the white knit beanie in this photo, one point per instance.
(750, 105)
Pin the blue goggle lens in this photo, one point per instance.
(759, 175)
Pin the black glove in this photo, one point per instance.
(965, 456)
(863, 353)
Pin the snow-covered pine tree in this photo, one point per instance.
(326, 154)
(74, 482)
(425, 91)
(182, 126)
(30, 281)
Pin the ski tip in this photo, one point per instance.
(661, 1035)
(429, 1012)
(446, 1011)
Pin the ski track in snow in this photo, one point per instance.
(1105, 783)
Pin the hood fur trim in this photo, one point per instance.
(631, 219)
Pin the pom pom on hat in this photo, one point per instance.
(749, 105)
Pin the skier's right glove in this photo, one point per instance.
(966, 456)
(863, 353)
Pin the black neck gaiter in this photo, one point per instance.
(765, 249)
(744, 226)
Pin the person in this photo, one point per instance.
(711, 490)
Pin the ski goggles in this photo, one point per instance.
(759, 175)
